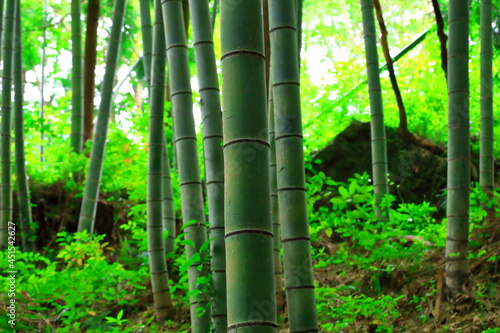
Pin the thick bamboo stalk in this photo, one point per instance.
(93, 179)
(76, 78)
(379, 149)
(214, 160)
(457, 209)
(187, 156)
(6, 184)
(251, 299)
(22, 181)
(299, 280)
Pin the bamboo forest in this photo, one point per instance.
(250, 166)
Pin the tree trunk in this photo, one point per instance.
(91, 193)
(1, 25)
(214, 160)
(249, 239)
(6, 188)
(457, 209)
(76, 78)
(443, 39)
(291, 184)
(486, 162)
(379, 149)
(215, 9)
(157, 263)
(275, 219)
(90, 62)
(299, 8)
(168, 209)
(22, 181)
(403, 121)
(193, 212)
(147, 37)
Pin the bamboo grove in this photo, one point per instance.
(250, 248)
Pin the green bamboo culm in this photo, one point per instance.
(1, 25)
(193, 213)
(215, 9)
(157, 263)
(6, 186)
(93, 179)
(486, 162)
(147, 37)
(168, 211)
(214, 160)
(76, 77)
(299, 10)
(297, 261)
(275, 219)
(379, 148)
(457, 209)
(251, 299)
(22, 181)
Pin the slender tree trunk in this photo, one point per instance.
(90, 62)
(379, 149)
(267, 44)
(168, 209)
(6, 187)
(22, 182)
(147, 37)
(275, 219)
(251, 299)
(214, 160)
(443, 39)
(299, 280)
(76, 78)
(185, 13)
(2, 5)
(487, 159)
(299, 9)
(42, 83)
(457, 210)
(215, 9)
(157, 262)
(91, 194)
(187, 155)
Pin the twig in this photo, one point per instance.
(403, 122)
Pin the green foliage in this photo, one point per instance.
(77, 289)
(342, 216)
(342, 311)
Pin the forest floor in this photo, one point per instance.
(414, 300)
(412, 297)
(359, 289)
(388, 285)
